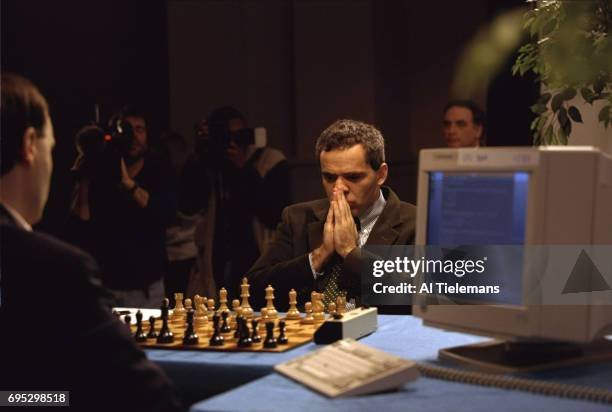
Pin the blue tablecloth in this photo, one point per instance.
(404, 336)
(202, 374)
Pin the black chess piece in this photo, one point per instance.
(139, 335)
(245, 340)
(270, 341)
(117, 314)
(165, 334)
(191, 338)
(255, 333)
(225, 327)
(127, 319)
(152, 334)
(216, 339)
(238, 323)
(282, 338)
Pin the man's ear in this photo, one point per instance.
(28, 147)
(381, 174)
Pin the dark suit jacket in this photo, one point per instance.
(285, 263)
(58, 332)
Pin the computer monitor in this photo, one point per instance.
(518, 196)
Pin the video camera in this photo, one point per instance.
(101, 149)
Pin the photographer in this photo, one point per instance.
(246, 189)
(124, 192)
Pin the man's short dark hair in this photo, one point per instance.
(477, 113)
(23, 106)
(346, 133)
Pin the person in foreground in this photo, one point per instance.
(317, 246)
(58, 330)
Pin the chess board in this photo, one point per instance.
(297, 334)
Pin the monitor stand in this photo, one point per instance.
(512, 357)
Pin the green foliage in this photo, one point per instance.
(569, 50)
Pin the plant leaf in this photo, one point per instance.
(538, 108)
(569, 93)
(556, 102)
(562, 117)
(574, 114)
(587, 95)
(599, 85)
(544, 98)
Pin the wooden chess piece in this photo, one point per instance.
(236, 309)
(293, 313)
(244, 340)
(272, 313)
(264, 318)
(318, 309)
(341, 304)
(152, 333)
(255, 337)
(188, 307)
(282, 338)
(225, 327)
(270, 340)
(216, 339)
(201, 314)
(247, 311)
(165, 334)
(331, 308)
(211, 306)
(178, 314)
(308, 319)
(190, 338)
(139, 335)
(223, 301)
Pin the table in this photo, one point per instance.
(404, 336)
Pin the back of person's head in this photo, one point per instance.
(23, 106)
(219, 120)
(346, 133)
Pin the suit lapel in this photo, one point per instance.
(384, 231)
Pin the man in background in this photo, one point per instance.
(58, 330)
(463, 124)
(248, 187)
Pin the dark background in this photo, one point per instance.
(291, 66)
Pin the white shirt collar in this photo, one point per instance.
(21, 222)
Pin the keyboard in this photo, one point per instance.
(348, 368)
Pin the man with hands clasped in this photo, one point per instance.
(317, 246)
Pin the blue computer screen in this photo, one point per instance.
(477, 208)
(473, 215)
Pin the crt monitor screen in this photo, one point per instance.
(477, 208)
(482, 210)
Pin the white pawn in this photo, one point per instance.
(211, 306)
(223, 301)
(293, 313)
(236, 309)
(264, 319)
(308, 319)
(272, 313)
